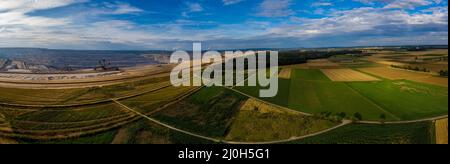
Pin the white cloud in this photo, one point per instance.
(124, 8)
(360, 20)
(115, 8)
(15, 12)
(275, 8)
(195, 7)
(19, 28)
(320, 4)
(401, 4)
(33, 5)
(407, 4)
(191, 8)
(231, 2)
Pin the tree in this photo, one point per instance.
(358, 116)
(342, 115)
(383, 118)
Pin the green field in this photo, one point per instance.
(405, 99)
(309, 75)
(415, 133)
(312, 92)
(209, 112)
(331, 97)
(282, 97)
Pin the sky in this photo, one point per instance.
(220, 24)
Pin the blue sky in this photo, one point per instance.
(220, 24)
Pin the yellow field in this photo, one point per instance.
(396, 74)
(262, 107)
(442, 131)
(432, 80)
(297, 66)
(7, 141)
(285, 73)
(322, 64)
(347, 75)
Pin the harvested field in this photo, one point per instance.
(322, 64)
(439, 81)
(7, 141)
(442, 131)
(347, 75)
(2, 119)
(285, 73)
(298, 66)
(396, 74)
(80, 95)
(392, 74)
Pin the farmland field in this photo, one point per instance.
(396, 74)
(145, 132)
(414, 133)
(325, 96)
(442, 131)
(405, 99)
(309, 75)
(322, 64)
(258, 121)
(209, 112)
(393, 74)
(59, 123)
(151, 101)
(75, 114)
(285, 73)
(335, 98)
(282, 98)
(101, 138)
(79, 95)
(347, 75)
(4, 140)
(311, 91)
